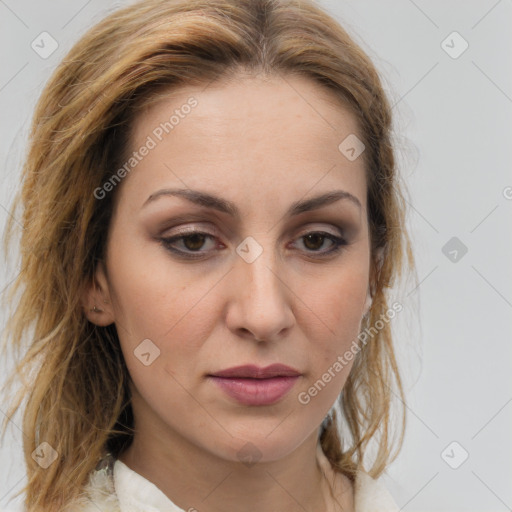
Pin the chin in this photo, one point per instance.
(265, 441)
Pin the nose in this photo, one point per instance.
(260, 305)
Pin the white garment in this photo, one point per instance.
(137, 494)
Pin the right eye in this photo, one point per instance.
(190, 241)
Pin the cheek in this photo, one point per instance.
(335, 305)
(150, 295)
(332, 320)
(153, 300)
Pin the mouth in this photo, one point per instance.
(252, 385)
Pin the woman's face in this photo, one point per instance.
(242, 164)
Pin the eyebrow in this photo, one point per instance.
(225, 206)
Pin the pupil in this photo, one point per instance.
(315, 237)
(195, 238)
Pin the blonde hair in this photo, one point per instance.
(77, 398)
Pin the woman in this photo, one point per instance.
(211, 219)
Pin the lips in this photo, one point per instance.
(253, 385)
(255, 372)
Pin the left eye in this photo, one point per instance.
(193, 241)
(315, 239)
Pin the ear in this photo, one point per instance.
(368, 303)
(378, 259)
(96, 299)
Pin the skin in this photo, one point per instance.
(262, 143)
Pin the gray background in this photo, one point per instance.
(454, 119)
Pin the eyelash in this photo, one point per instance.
(338, 244)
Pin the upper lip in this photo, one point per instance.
(250, 371)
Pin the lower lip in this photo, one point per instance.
(256, 391)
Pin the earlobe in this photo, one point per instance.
(379, 257)
(377, 264)
(368, 303)
(378, 260)
(96, 299)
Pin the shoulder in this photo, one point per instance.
(370, 495)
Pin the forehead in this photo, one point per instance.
(254, 101)
(253, 134)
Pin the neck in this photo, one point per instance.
(195, 479)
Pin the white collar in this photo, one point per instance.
(137, 494)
